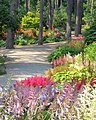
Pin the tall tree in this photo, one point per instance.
(4, 12)
(40, 41)
(18, 3)
(92, 5)
(70, 4)
(26, 4)
(78, 20)
(10, 29)
(50, 13)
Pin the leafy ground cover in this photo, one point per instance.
(74, 47)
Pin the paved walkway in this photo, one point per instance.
(25, 61)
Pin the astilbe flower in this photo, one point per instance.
(35, 81)
(63, 60)
(93, 81)
(80, 38)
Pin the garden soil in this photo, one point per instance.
(25, 61)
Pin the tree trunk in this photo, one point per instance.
(53, 6)
(9, 41)
(75, 8)
(69, 14)
(26, 4)
(88, 5)
(40, 41)
(92, 5)
(18, 3)
(78, 20)
(61, 6)
(57, 4)
(0, 30)
(50, 14)
(10, 29)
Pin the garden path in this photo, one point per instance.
(25, 61)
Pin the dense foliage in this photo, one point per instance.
(30, 21)
(90, 35)
(74, 47)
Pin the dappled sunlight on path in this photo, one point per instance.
(25, 61)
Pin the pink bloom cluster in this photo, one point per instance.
(80, 38)
(81, 83)
(4, 34)
(22, 31)
(93, 81)
(63, 59)
(35, 81)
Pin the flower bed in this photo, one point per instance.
(40, 101)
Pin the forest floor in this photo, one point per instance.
(25, 61)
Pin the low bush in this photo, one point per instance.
(20, 41)
(55, 37)
(2, 43)
(68, 72)
(73, 47)
(90, 35)
(2, 59)
(30, 21)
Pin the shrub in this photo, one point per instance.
(53, 36)
(90, 35)
(20, 41)
(53, 39)
(2, 59)
(30, 21)
(71, 48)
(69, 75)
(89, 52)
(2, 43)
(59, 19)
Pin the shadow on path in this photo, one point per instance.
(25, 61)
